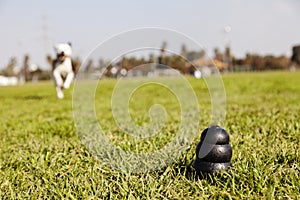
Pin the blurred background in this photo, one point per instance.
(237, 35)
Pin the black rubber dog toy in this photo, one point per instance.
(213, 152)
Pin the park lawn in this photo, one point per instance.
(41, 155)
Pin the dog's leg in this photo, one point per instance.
(58, 84)
(59, 92)
(68, 80)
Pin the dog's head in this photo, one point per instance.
(63, 50)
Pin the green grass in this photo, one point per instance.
(41, 155)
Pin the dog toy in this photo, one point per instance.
(213, 152)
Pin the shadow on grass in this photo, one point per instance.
(191, 174)
(34, 97)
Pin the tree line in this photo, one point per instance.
(187, 62)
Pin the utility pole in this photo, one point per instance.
(227, 54)
(45, 33)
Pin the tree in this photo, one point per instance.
(89, 65)
(9, 69)
(193, 55)
(76, 63)
(258, 63)
(228, 58)
(296, 55)
(101, 63)
(183, 52)
(218, 54)
(161, 59)
(25, 68)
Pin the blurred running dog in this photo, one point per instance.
(62, 68)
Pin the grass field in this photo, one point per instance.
(41, 155)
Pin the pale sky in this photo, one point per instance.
(257, 26)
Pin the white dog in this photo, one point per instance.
(63, 72)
